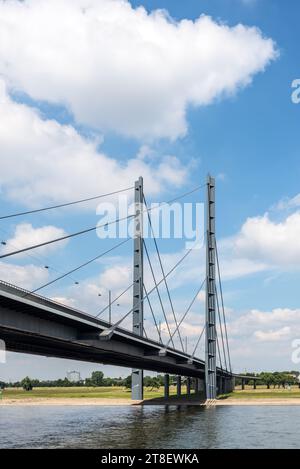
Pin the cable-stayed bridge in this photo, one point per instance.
(31, 323)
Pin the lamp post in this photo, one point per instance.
(109, 305)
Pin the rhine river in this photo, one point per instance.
(149, 427)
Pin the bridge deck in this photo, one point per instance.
(33, 324)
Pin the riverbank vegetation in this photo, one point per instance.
(261, 392)
(276, 379)
(103, 392)
(97, 379)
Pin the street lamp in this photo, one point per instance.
(109, 305)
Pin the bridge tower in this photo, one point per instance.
(210, 307)
(138, 309)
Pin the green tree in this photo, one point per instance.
(26, 384)
(155, 383)
(147, 381)
(127, 382)
(97, 378)
(267, 379)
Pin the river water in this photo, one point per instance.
(149, 427)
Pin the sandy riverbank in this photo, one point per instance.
(127, 402)
(259, 402)
(67, 402)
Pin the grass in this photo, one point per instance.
(263, 393)
(116, 392)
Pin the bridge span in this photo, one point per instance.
(30, 323)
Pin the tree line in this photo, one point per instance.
(276, 379)
(97, 379)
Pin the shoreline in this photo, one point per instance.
(260, 402)
(28, 402)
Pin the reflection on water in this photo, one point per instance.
(149, 427)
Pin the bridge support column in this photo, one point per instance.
(220, 385)
(243, 384)
(178, 386)
(223, 380)
(210, 305)
(138, 310)
(254, 384)
(229, 385)
(188, 386)
(224, 385)
(232, 384)
(197, 385)
(167, 386)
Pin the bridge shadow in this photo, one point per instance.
(193, 399)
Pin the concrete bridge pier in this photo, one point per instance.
(232, 383)
(229, 385)
(188, 386)
(167, 386)
(254, 384)
(178, 386)
(243, 384)
(224, 385)
(199, 385)
(137, 388)
(220, 385)
(196, 386)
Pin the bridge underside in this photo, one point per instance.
(35, 325)
(92, 351)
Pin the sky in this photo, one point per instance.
(94, 94)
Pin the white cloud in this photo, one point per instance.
(123, 69)
(273, 335)
(192, 270)
(201, 296)
(288, 203)
(261, 245)
(118, 276)
(248, 323)
(92, 294)
(26, 235)
(28, 277)
(64, 300)
(263, 339)
(275, 244)
(52, 162)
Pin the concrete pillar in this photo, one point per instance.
(167, 386)
(243, 384)
(137, 390)
(254, 384)
(188, 386)
(210, 301)
(224, 387)
(201, 385)
(232, 384)
(219, 385)
(178, 386)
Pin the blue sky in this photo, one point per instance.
(246, 135)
